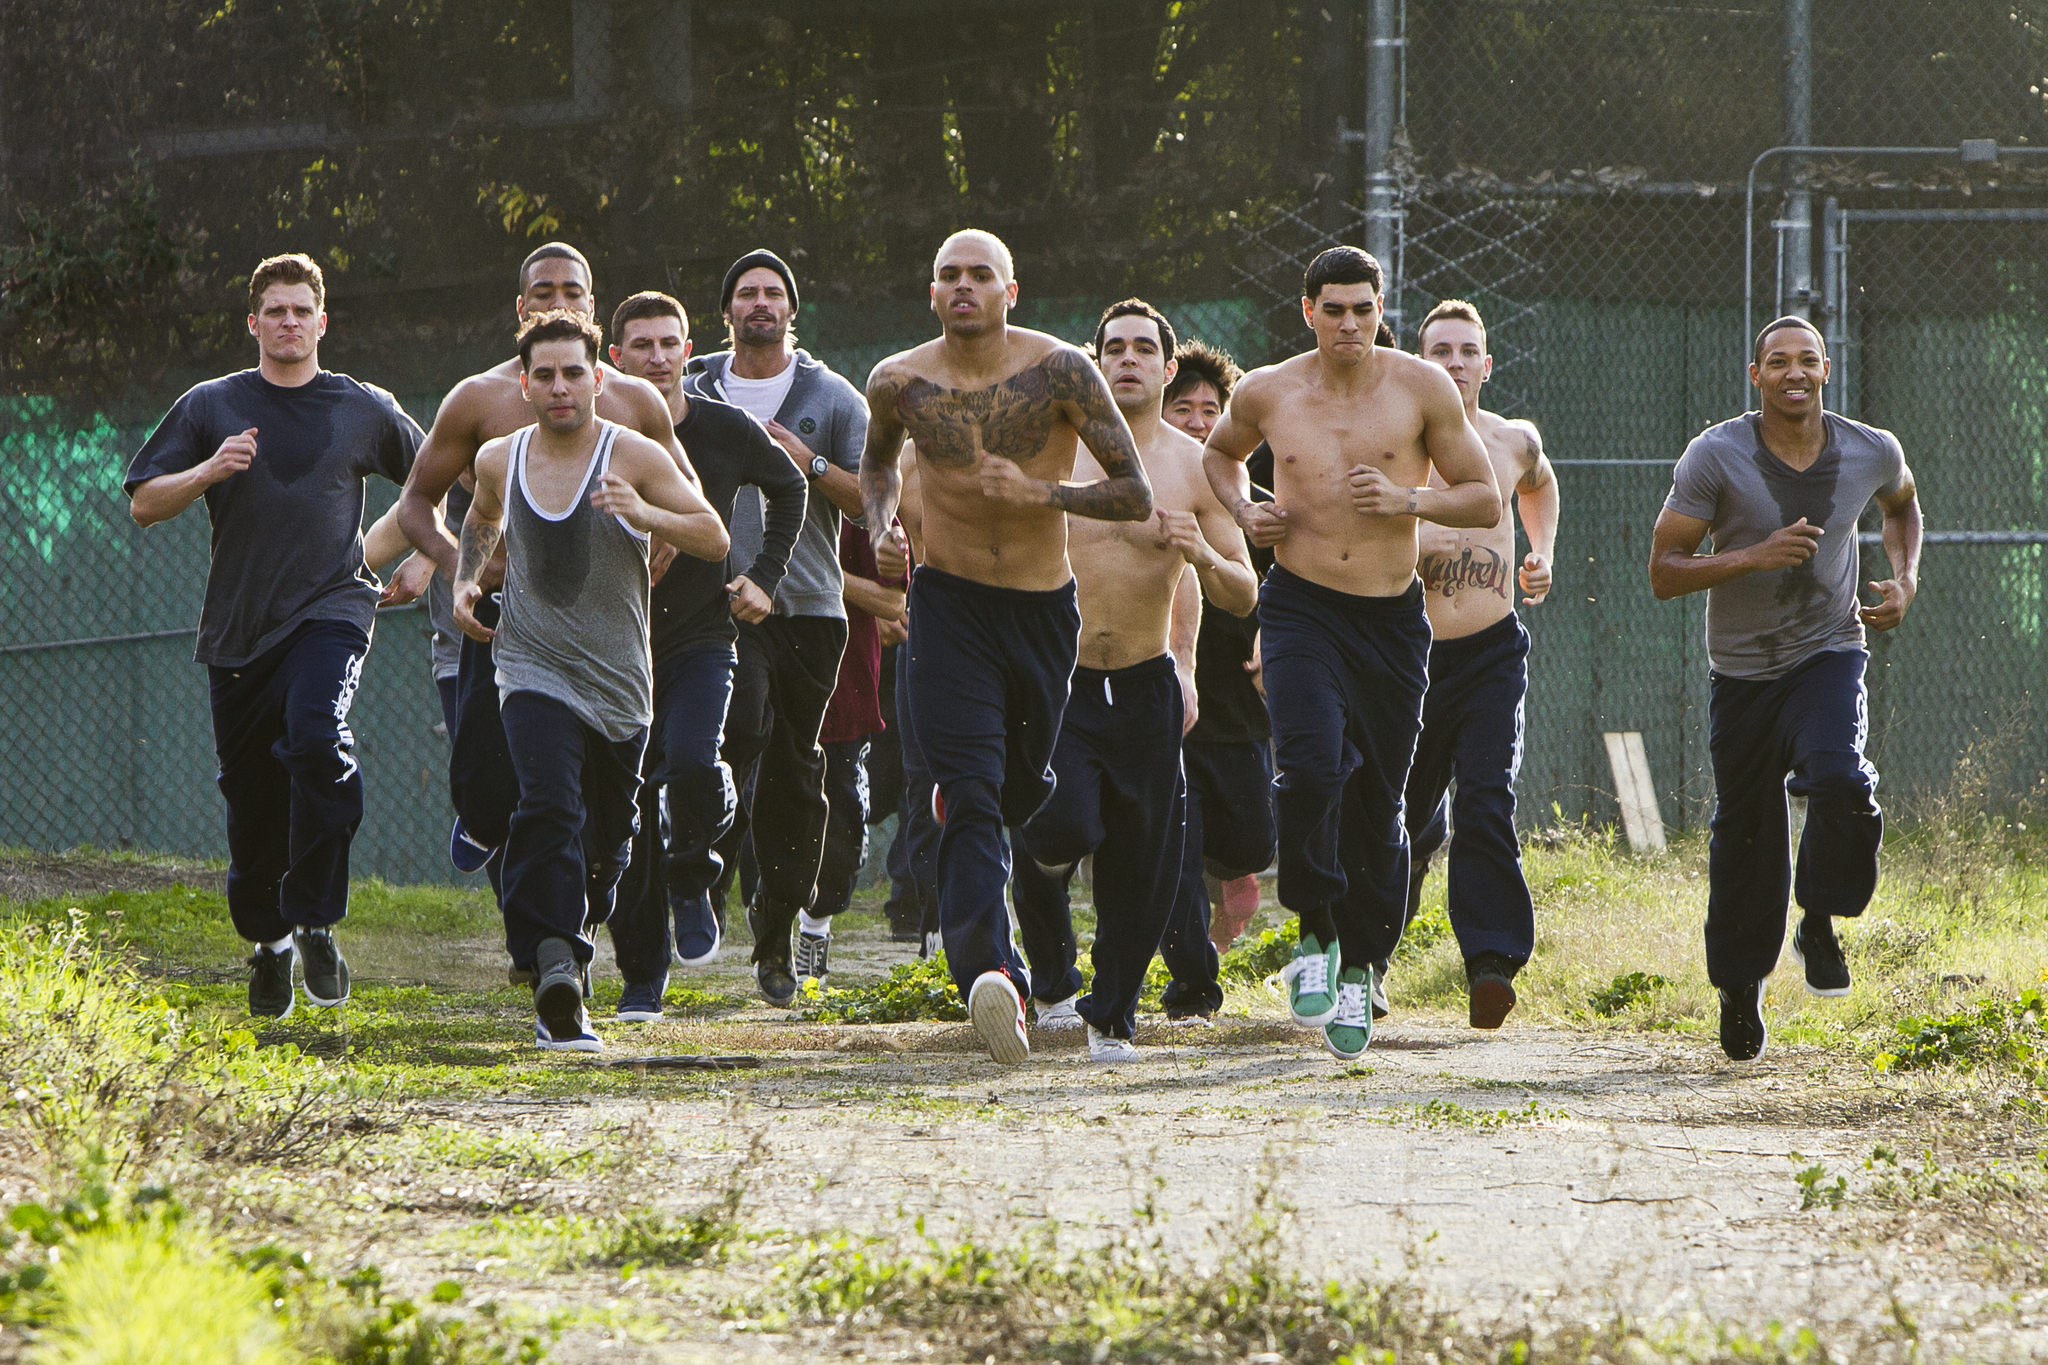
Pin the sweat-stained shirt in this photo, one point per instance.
(288, 530)
(1762, 625)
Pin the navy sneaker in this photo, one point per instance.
(1490, 978)
(325, 969)
(1816, 949)
(640, 1002)
(698, 932)
(466, 853)
(572, 1035)
(270, 983)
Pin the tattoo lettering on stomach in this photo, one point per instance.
(1013, 419)
(1476, 568)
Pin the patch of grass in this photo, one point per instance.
(1252, 960)
(1442, 1113)
(1625, 992)
(2006, 1034)
(921, 988)
(1816, 1191)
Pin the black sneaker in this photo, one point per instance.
(1490, 978)
(1742, 1021)
(772, 972)
(1816, 950)
(325, 969)
(813, 957)
(640, 1001)
(1378, 997)
(558, 989)
(270, 983)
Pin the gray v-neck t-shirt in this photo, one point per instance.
(1762, 625)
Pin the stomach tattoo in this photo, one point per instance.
(1475, 567)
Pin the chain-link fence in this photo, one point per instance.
(1576, 167)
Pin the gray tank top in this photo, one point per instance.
(575, 602)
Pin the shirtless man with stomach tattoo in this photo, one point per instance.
(1478, 675)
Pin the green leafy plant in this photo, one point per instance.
(2008, 1032)
(1624, 992)
(1253, 960)
(918, 989)
(1816, 1191)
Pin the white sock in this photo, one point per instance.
(283, 945)
(817, 928)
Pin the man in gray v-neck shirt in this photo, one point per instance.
(1780, 491)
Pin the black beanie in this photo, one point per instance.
(756, 260)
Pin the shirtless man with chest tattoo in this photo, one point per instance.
(483, 408)
(997, 413)
(1478, 675)
(1356, 430)
(1120, 792)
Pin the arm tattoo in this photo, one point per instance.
(1126, 495)
(881, 480)
(479, 543)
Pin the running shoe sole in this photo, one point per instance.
(544, 1039)
(996, 1011)
(638, 1016)
(1492, 998)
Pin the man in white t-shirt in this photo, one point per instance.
(789, 662)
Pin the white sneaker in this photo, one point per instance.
(1103, 1048)
(997, 1012)
(1058, 1018)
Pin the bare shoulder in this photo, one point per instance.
(1425, 378)
(470, 401)
(636, 401)
(1175, 463)
(1268, 382)
(1514, 436)
(636, 450)
(494, 459)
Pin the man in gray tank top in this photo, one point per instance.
(1780, 490)
(576, 501)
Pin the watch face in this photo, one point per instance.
(818, 466)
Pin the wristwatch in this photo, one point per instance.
(819, 464)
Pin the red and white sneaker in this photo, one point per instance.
(997, 1011)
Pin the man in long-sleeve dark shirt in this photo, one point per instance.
(688, 800)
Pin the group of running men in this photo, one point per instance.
(1143, 609)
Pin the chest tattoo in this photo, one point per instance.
(1012, 419)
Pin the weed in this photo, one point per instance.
(919, 989)
(1431, 926)
(1815, 1190)
(1622, 993)
(2003, 1033)
(1441, 1113)
(1253, 960)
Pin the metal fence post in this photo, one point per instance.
(1796, 283)
(1384, 41)
(1834, 294)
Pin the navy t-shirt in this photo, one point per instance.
(287, 531)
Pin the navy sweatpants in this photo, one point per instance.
(1230, 835)
(686, 805)
(1472, 730)
(1345, 675)
(1810, 723)
(989, 669)
(786, 670)
(572, 830)
(914, 852)
(846, 825)
(1119, 796)
(288, 773)
(481, 783)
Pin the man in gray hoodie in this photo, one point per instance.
(789, 662)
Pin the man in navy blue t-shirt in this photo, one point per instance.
(280, 453)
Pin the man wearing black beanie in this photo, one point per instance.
(789, 662)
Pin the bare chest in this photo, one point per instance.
(1016, 419)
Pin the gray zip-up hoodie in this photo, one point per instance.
(830, 417)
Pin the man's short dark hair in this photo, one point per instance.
(1137, 308)
(1452, 310)
(294, 267)
(551, 249)
(559, 324)
(1782, 324)
(1201, 363)
(1341, 265)
(648, 303)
